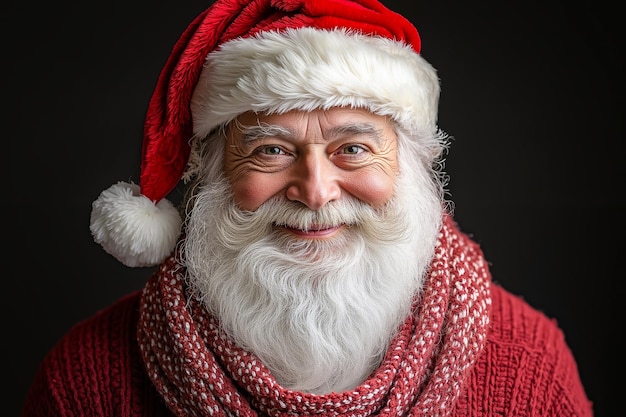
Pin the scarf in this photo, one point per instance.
(199, 371)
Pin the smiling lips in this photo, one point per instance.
(314, 232)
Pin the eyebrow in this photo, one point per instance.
(250, 133)
(357, 128)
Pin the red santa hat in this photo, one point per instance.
(267, 56)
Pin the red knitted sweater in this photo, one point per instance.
(525, 368)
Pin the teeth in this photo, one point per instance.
(305, 228)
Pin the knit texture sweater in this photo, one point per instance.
(523, 367)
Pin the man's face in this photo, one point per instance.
(312, 158)
(312, 243)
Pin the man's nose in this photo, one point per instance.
(314, 181)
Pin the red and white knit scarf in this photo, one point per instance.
(200, 372)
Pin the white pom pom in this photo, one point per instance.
(132, 228)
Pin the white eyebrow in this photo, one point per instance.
(357, 128)
(251, 133)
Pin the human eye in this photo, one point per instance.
(270, 150)
(352, 149)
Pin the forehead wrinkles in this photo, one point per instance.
(250, 133)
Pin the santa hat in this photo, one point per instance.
(267, 56)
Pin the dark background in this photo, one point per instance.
(531, 91)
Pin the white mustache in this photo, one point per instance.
(295, 215)
(379, 223)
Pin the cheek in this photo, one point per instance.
(251, 191)
(250, 188)
(373, 188)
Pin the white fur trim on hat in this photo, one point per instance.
(307, 69)
(135, 230)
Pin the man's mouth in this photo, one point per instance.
(314, 232)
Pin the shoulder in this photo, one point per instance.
(110, 330)
(525, 342)
(516, 326)
(514, 320)
(96, 365)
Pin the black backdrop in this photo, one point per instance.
(531, 92)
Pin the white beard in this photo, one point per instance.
(318, 313)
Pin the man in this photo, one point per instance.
(316, 268)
